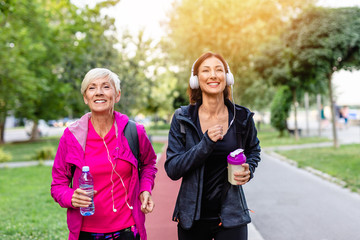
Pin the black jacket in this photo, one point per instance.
(185, 158)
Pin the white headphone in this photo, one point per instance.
(194, 81)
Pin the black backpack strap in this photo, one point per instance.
(73, 167)
(132, 137)
(182, 126)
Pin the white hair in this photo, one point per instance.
(97, 73)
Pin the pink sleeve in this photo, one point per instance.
(60, 190)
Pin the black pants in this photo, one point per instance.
(210, 229)
(125, 234)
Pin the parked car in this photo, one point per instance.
(43, 128)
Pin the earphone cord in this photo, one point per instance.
(233, 102)
(111, 179)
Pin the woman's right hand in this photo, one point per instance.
(80, 198)
(215, 133)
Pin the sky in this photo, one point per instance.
(137, 14)
(346, 85)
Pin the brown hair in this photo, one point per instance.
(195, 95)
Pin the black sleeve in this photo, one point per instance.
(179, 160)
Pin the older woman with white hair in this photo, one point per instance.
(122, 192)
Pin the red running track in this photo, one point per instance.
(159, 225)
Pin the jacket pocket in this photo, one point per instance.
(234, 210)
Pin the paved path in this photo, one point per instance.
(291, 203)
(158, 223)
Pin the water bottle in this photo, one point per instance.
(235, 159)
(86, 183)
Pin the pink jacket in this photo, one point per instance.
(71, 151)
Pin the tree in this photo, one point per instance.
(279, 66)
(19, 22)
(317, 43)
(56, 43)
(232, 28)
(280, 108)
(147, 82)
(323, 41)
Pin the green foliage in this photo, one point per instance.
(4, 157)
(45, 153)
(318, 42)
(46, 47)
(325, 40)
(236, 31)
(147, 83)
(280, 108)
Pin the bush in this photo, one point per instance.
(4, 157)
(280, 108)
(45, 153)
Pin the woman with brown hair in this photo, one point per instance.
(201, 137)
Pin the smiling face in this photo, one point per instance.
(100, 95)
(211, 76)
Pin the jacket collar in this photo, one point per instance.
(80, 128)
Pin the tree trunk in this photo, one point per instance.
(318, 103)
(306, 101)
(34, 131)
(296, 133)
(2, 126)
(2, 131)
(333, 117)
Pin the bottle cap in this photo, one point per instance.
(236, 157)
(85, 168)
(236, 152)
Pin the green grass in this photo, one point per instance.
(26, 208)
(342, 163)
(158, 147)
(26, 151)
(161, 129)
(270, 138)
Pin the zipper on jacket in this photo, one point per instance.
(220, 223)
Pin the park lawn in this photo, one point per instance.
(157, 132)
(270, 138)
(27, 209)
(342, 163)
(26, 151)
